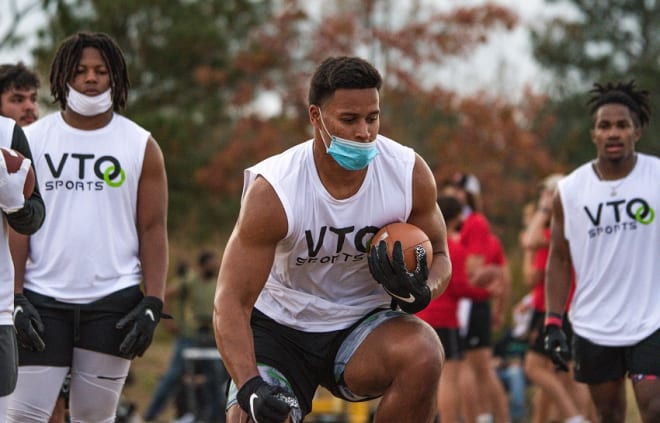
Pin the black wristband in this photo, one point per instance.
(243, 394)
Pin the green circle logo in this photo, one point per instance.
(106, 177)
(649, 219)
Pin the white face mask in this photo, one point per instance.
(87, 105)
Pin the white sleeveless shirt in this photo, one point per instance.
(88, 245)
(320, 280)
(615, 247)
(6, 265)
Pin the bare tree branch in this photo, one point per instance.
(14, 14)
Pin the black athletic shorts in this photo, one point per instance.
(87, 326)
(451, 342)
(536, 338)
(306, 359)
(598, 364)
(8, 360)
(479, 326)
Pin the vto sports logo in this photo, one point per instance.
(83, 172)
(333, 241)
(620, 215)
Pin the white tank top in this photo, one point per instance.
(87, 247)
(6, 265)
(320, 279)
(615, 247)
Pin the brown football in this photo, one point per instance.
(410, 236)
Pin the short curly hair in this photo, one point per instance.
(17, 76)
(342, 72)
(625, 93)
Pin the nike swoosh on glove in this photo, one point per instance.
(28, 324)
(408, 289)
(145, 317)
(264, 403)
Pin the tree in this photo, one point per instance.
(13, 13)
(613, 40)
(200, 67)
(185, 80)
(497, 141)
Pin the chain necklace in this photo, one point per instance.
(614, 187)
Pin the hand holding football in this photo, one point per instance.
(410, 237)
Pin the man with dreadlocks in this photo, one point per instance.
(604, 224)
(78, 280)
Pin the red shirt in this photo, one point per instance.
(540, 261)
(441, 312)
(495, 253)
(475, 234)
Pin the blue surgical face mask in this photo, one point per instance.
(351, 155)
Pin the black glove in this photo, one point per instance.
(264, 403)
(145, 316)
(409, 290)
(557, 346)
(28, 324)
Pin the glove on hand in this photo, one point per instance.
(27, 324)
(145, 317)
(409, 290)
(11, 186)
(264, 403)
(557, 346)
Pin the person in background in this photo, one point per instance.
(23, 215)
(605, 227)
(18, 93)
(441, 314)
(485, 266)
(553, 388)
(193, 327)
(90, 299)
(18, 100)
(302, 298)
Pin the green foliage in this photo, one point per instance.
(198, 67)
(181, 57)
(612, 40)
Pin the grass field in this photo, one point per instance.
(148, 369)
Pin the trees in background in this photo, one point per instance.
(612, 40)
(201, 70)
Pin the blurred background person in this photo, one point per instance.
(192, 293)
(18, 93)
(441, 314)
(485, 266)
(553, 389)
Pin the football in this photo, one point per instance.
(410, 236)
(13, 160)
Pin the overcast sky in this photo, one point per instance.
(504, 65)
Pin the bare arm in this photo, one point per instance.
(559, 269)
(28, 220)
(246, 263)
(427, 215)
(533, 236)
(18, 245)
(152, 221)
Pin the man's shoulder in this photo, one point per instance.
(392, 147)
(651, 159)
(283, 163)
(43, 125)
